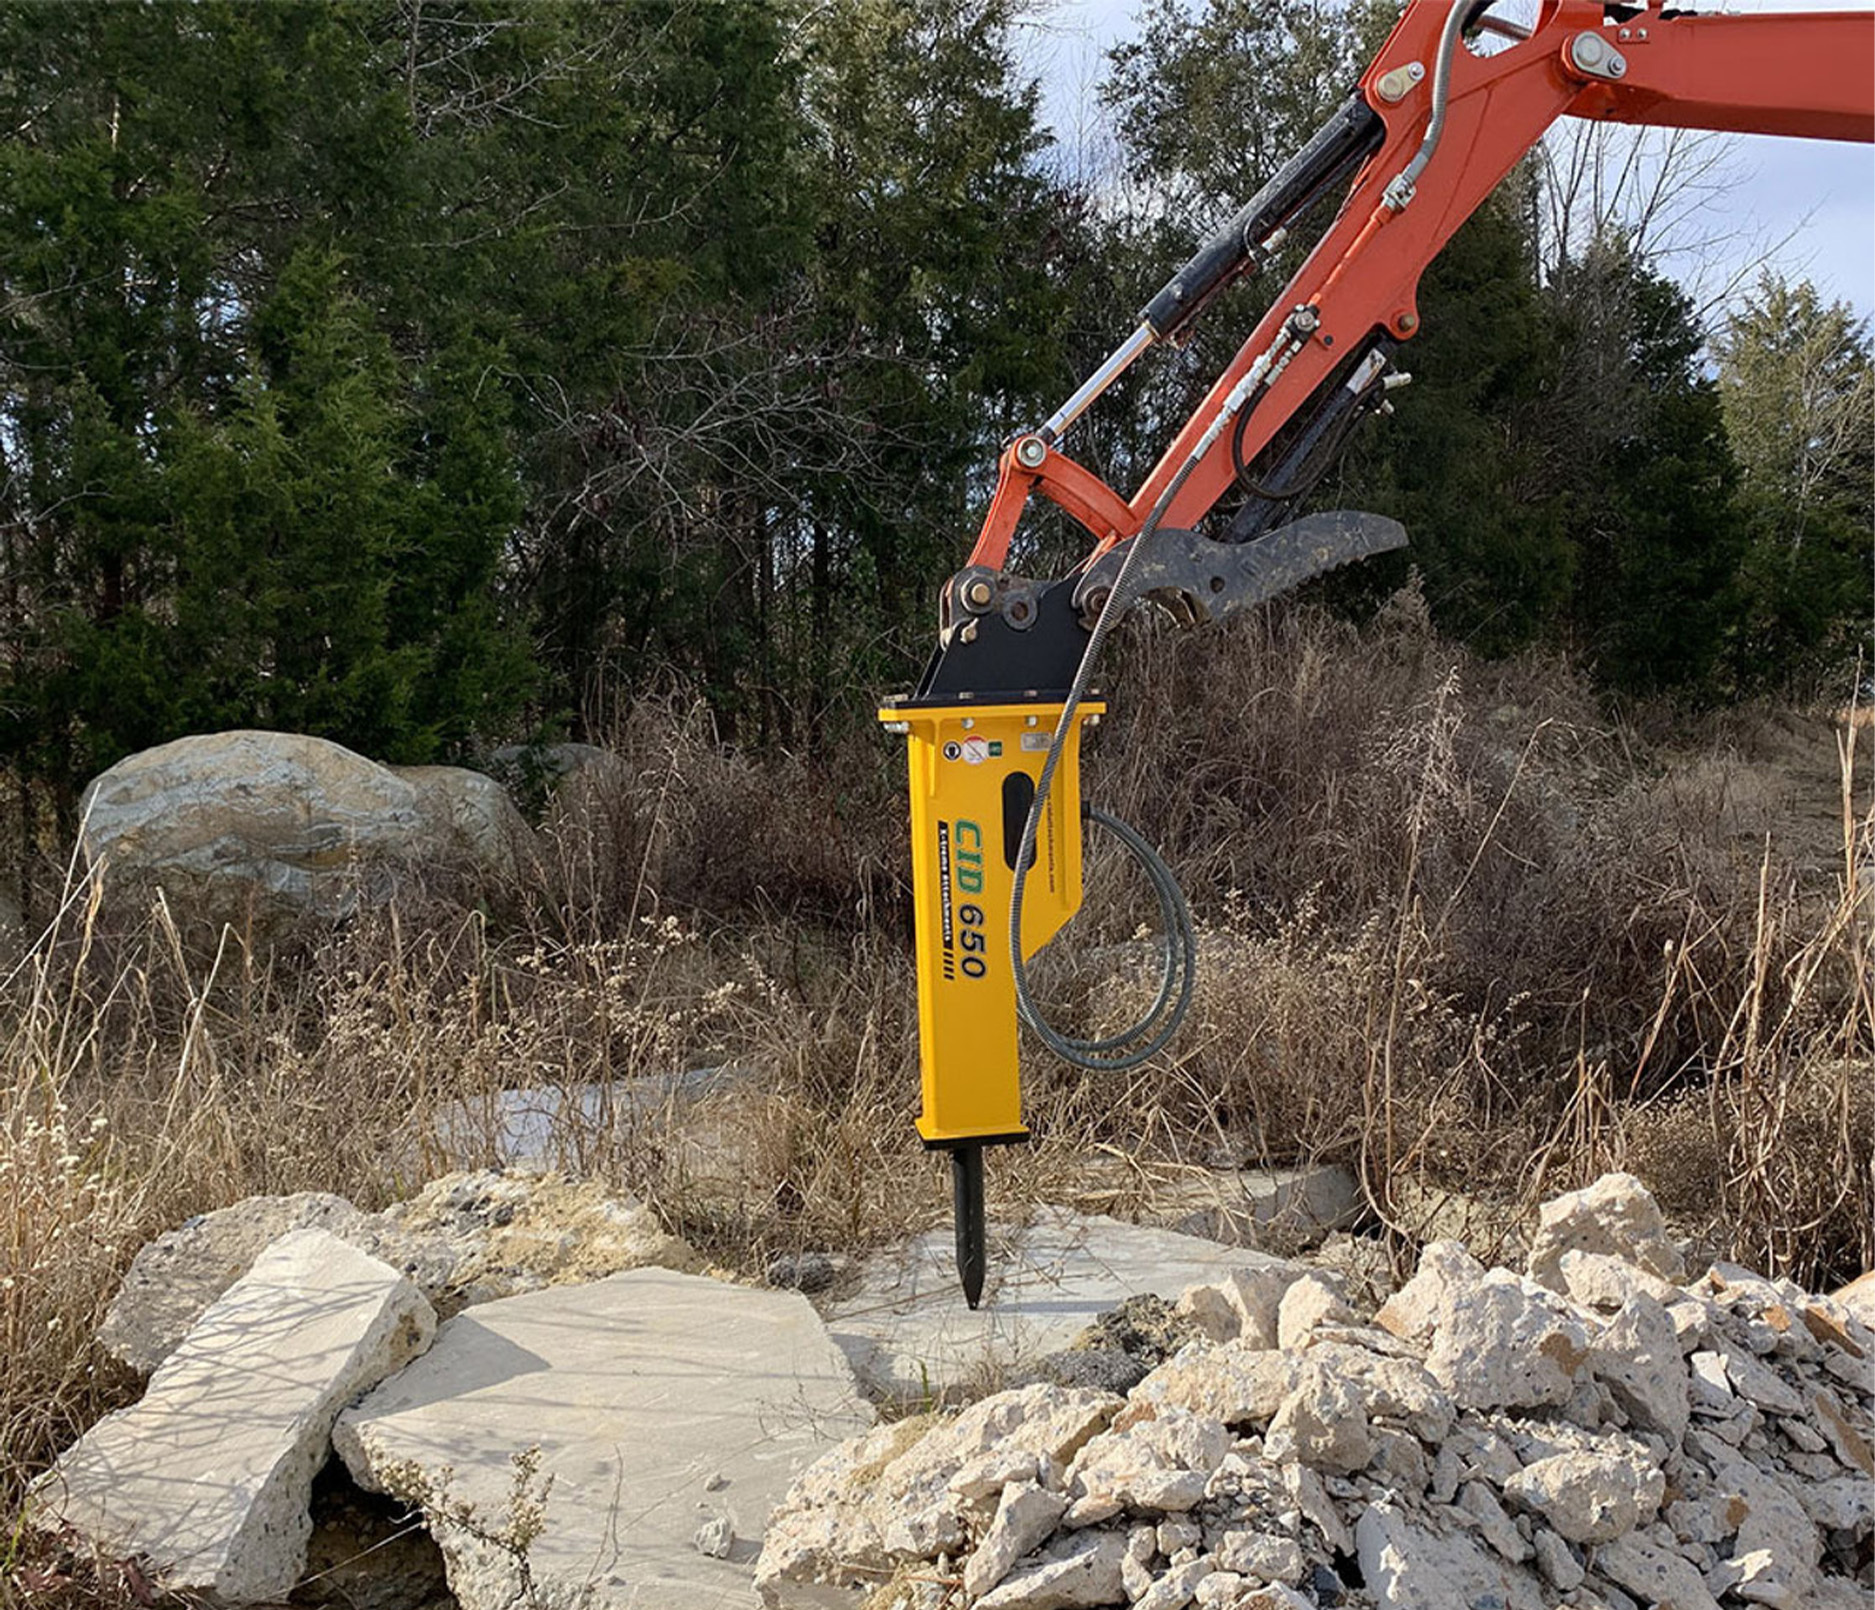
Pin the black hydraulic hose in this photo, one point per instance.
(1154, 1029)
(1077, 693)
(1321, 457)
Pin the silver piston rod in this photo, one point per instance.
(1116, 364)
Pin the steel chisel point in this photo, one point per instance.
(967, 1213)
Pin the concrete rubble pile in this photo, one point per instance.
(1596, 1431)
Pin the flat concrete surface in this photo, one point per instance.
(910, 1335)
(210, 1475)
(653, 1402)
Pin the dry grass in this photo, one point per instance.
(1460, 931)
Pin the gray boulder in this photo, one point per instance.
(278, 827)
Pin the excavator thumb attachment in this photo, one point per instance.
(1201, 580)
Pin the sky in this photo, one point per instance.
(1809, 203)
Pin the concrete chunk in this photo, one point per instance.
(1590, 1497)
(1407, 1566)
(178, 1275)
(1617, 1217)
(641, 1407)
(210, 1476)
(1025, 1516)
(1076, 1573)
(1507, 1343)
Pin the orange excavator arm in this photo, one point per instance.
(994, 728)
(1442, 127)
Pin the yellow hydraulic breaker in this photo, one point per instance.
(973, 774)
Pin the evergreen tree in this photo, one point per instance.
(239, 491)
(1651, 478)
(1797, 381)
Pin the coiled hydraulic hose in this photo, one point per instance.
(1156, 1026)
(1181, 947)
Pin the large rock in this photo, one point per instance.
(1322, 1423)
(1651, 1570)
(911, 1337)
(277, 826)
(210, 1475)
(468, 816)
(1025, 1514)
(571, 1442)
(478, 1236)
(464, 1238)
(1246, 1305)
(1617, 1217)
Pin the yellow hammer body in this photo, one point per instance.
(973, 772)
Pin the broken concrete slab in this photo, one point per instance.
(594, 1429)
(210, 1475)
(464, 1238)
(911, 1337)
(176, 1276)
